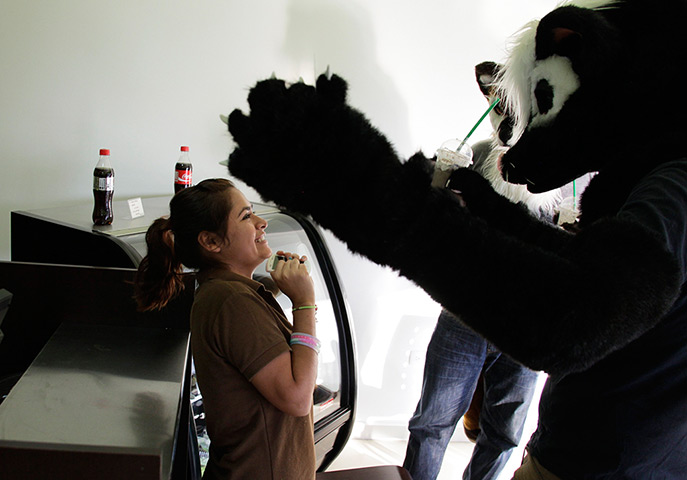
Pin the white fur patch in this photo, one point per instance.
(558, 72)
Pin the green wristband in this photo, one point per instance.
(304, 307)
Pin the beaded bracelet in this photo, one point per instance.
(305, 340)
(304, 307)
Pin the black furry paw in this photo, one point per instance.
(302, 144)
(476, 191)
(420, 167)
(283, 134)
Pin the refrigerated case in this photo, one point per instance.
(66, 235)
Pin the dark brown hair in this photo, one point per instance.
(173, 242)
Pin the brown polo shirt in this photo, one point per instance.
(237, 327)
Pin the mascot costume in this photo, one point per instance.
(602, 310)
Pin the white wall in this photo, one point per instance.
(143, 77)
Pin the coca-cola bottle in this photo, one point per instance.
(103, 189)
(183, 171)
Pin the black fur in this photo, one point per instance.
(565, 301)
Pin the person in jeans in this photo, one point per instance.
(455, 358)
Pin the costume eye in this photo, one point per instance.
(543, 93)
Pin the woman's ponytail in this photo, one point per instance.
(174, 241)
(159, 276)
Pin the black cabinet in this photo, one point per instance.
(83, 375)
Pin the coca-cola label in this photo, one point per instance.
(182, 177)
(103, 184)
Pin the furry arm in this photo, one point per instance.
(551, 300)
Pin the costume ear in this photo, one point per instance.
(209, 241)
(561, 41)
(486, 73)
(566, 42)
(582, 35)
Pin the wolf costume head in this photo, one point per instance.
(584, 85)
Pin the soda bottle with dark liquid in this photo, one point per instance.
(183, 171)
(103, 190)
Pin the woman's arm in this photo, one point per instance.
(288, 381)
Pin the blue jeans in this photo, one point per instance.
(455, 358)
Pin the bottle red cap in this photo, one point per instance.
(184, 149)
(104, 151)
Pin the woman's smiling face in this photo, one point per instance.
(247, 245)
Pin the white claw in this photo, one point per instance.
(224, 118)
(274, 76)
(300, 80)
(328, 73)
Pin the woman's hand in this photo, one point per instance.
(288, 381)
(293, 279)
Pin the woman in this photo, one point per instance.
(255, 370)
